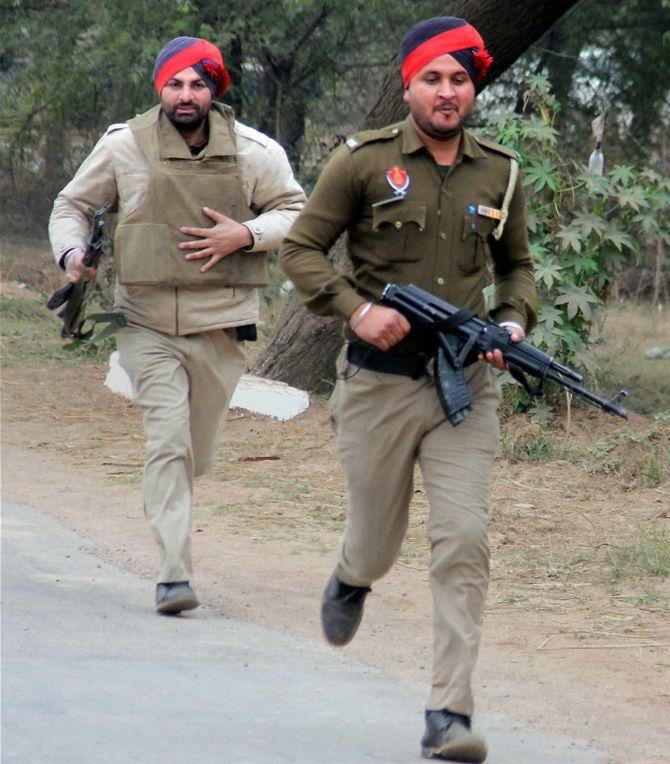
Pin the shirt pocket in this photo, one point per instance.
(476, 230)
(399, 227)
(132, 191)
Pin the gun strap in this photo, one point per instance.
(517, 374)
(459, 317)
(456, 351)
(507, 199)
(114, 321)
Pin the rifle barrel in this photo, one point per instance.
(606, 405)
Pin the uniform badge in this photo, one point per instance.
(488, 212)
(398, 180)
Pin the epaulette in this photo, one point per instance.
(370, 136)
(116, 126)
(509, 153)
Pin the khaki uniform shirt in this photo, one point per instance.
(116, 171)
(437, 235)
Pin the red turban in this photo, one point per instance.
(191, 52)
(433, 38)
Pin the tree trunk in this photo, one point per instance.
(303, 348)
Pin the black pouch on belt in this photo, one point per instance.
(247, 332)
(369, 357)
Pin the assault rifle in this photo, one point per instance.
(74, 296)
(459, 339)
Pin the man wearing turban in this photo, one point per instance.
(200, 198)
(427, 202)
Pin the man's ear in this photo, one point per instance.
(405, 96)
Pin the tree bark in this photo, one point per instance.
(303, 348)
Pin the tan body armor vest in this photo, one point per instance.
(146, 242)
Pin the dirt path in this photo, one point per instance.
(564, 652)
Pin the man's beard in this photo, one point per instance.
(187, 123)
(436, 133)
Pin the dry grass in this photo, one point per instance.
(628, 332)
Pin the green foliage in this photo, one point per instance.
(609, 56)
(535, 444)
(68, 70)
(584, 228)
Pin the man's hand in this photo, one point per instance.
(380, 326)
(495, 357)
(74, 267)
(225, 237)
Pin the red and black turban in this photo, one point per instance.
(191, 52)
(433, 38)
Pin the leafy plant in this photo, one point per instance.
(584, 228)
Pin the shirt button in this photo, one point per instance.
(443, 235)
(439, 213)
(398, 224)
(440, 280)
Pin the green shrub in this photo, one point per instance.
(584, 228)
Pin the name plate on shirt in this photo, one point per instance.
(488, 212)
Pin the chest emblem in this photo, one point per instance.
(488, 212)
(398, 180)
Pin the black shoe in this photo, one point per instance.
(448, 737)
(341, 610)
(172, 598)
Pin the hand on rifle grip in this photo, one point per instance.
(380, 326)
(75, 267)
(495, 357)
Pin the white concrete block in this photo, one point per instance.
(117, 380)
(269, 397)
(261, 396)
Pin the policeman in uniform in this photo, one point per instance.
(200, 199)
(422, 201)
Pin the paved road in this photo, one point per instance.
(91, 674)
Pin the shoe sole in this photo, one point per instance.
(175, 606)
(458, 750)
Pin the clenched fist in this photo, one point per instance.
(75, 268)
(380, 326)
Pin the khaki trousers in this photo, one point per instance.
(183, 386)
(384, 423)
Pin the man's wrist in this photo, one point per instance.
(512, 325)
(66, 256)
(249, 240)
(358, 315)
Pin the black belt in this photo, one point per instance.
(369, 357)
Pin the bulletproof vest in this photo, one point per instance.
(146, 243)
